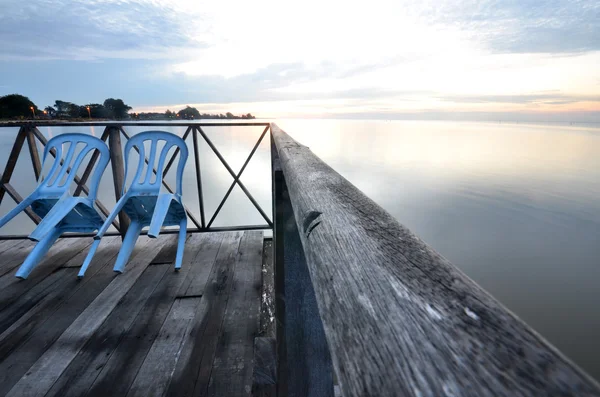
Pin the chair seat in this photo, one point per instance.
(142, 208)
(83, 217)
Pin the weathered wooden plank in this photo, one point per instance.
(32, 335)
(167, 254)
(127, 358)
(110, 245)
(94, 358)
(14, 253)
(48, 368)
(267, 306)
(233, 364)
(192, 373)
(401, 320)
(11, 288)
(264, 377)
(155, 374)
(193, 286)
(84, 369)
(170, 346)
(36, 306)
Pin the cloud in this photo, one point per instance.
(555, 98)
(526, 26)
(389, 56)
(96, 29)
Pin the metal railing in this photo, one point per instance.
(113, 131)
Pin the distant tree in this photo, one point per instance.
(189, 113)
(229, 115)
(169, 114)
(50, 111)
(97, 111)
(249, 116)
(116, 108)
(66, 109)
(15, 105)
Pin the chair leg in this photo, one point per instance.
(113, 214)
(38, 253)
(15, 211)
(52, 218)
(181, 243)
(158, 217)
(88, 258)
(133, 232)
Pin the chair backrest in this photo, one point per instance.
(142, 181)
(63, 170)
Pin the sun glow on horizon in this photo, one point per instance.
(323, 58)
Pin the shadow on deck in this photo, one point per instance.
(150, 331)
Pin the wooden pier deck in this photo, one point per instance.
(150, 331)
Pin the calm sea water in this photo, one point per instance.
(515, 206)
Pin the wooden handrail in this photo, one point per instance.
(399, 319)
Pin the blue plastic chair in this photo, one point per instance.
(143, 202)
(52, 200)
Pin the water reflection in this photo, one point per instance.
(516, 207)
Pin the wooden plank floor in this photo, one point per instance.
(150, 331)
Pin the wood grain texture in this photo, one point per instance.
(233, 362)
(155, 374)
(48, 368)
(11, 288)
(126, 360)
(37, 330)
(264, 375)
(13, 254)
(400, 320)
(192, 373)
(84, 369)
(40, 301)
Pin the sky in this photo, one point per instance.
(387, 59)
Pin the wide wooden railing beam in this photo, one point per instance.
(399, 319)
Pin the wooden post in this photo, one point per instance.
(198, 176)
(34, 154)
(12, 160)
(118, 170)
(278, 270)
(400, 320)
